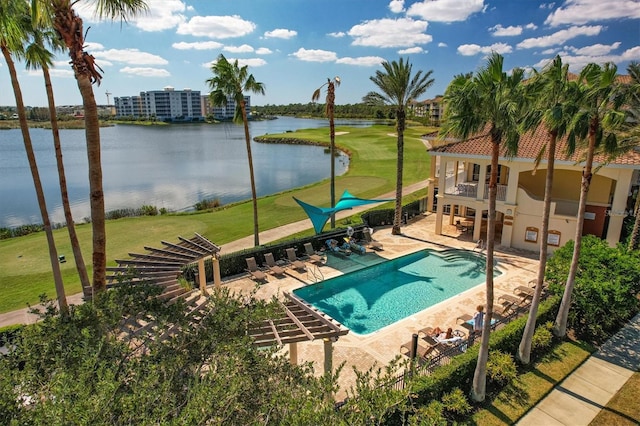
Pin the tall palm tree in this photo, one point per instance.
(599, 116)
(331, 101)
(231, 81)
(38, 57)
(61, 15)
(553, 107)
(14, 26)
(489, 101)
(633, 134)
(398, 87)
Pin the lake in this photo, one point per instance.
(166, 166)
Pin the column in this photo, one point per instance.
(293, 353)
(442, 182)
(328, 355)
(202, 277)
(618, 206)
(217, 280)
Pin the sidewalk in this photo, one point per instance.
(22, 316)
(578, 399)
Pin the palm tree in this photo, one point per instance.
(331, 101)
(598, 118)
(553, 107)
(14, 26)
(37, 56)
(69, 27)
(398, 87)
(633, 134)
(231, 81)
(489, 101)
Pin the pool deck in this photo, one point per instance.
(379, 348)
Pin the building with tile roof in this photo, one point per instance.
(459, 180)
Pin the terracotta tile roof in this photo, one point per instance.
(528, 148)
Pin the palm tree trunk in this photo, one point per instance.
(478, 392)
(524, 350)
(75, 245)
(397, 216)
(96, 193)
(332, 151)
(26, 137)
(254, 196)
(560, 325)
(634, 239)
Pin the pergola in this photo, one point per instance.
(163, 266)
(300, 322)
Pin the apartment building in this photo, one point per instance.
(167, 104)
(223, 112)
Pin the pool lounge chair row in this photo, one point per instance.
(434, 345)
(278, 268)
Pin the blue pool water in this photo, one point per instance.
(374, 297)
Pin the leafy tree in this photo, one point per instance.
(553, 107)
(398, 87)
(37, 56)
(14, 27)
(488, 101)
(598, 118)
(62, 17)
(329, 111)
(231, 81)
(633, 135)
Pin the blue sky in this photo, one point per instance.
(293, 46)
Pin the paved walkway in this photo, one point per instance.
(578, 399)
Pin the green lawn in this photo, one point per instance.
(25, 271)
(529, 388)
(624, 407)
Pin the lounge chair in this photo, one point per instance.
(312, 255)
(524, 291)
(252, 268)
(422, 351)
(272, 265)
(369, 241)
(293, 260)
(333, 246)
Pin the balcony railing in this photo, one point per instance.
(470, 190)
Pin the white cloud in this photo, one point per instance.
(145, 72)
(445, 10)
(315, 55)
(547, 5)
(403, 32)
(500, 31)
(161, 14)
(245, 48)
(441, 44)
(216, 27)
(57, 72)
(198, 45)
(583, 11)
(560, 37)
(549, 51)
(91, 46)
(595, 49)
(411, 50)
(474, 49)
(338, 34)
(396, 6)
(250, 62)
(365, 61)
(281, 33)
(577, 62)
(263, 51)
(131, 56)
(531, 26)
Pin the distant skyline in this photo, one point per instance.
(293, 46)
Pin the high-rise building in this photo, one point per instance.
(163, 105)
(224, 112)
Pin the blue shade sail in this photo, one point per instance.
(320, 215)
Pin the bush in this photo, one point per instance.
(455, 404)
(542, 339)
(501, 369)
(207, 204)
(149, 210)
(429, 415)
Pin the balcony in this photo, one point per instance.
(470, 190)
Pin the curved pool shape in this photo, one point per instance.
(371, 298)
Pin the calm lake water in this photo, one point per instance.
(171, 166)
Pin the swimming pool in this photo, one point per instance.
(374, 297)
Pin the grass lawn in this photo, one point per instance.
(624, 407)
(25, 271)
(529, 388)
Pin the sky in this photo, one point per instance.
(294, 46)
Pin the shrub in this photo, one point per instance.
(163, 211)
(501, 369)
(148, 210)
(542, 339)
(207, 204)
(455, 404)
(431, 414)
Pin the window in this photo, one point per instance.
(531, 234)
(475, 177)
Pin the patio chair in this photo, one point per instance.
(272, 265)
(252, 268)
(524, 291)
(293, 260)
(369, 241)
(312, 255)
(421, 351)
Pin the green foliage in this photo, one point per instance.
(542, 339)
(431, 414)
(207, 204)
(501, 369)
(606, 286)
(455, 404)
(9, 333)
(149, 210)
